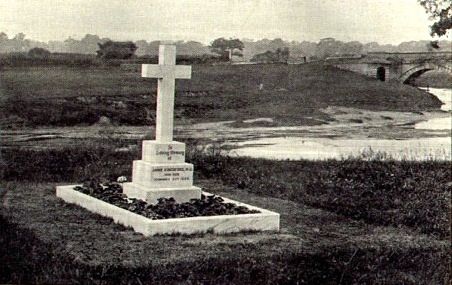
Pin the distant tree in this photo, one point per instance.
(72, 46)
(351, 48)
(227, 48)
(4, 43)
(191, 48)
(19, 43)
(328, 47)
(441, 12)
(116, 50)
(19, 37)
(284, 54)
(433, 45)
(88, 44)
(38, 53)
(265, 57)
(277, 43)
(281, 55)
(3, 37)
(142, 48)
(371, 47)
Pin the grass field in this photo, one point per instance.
(343, 222)
(291, 94)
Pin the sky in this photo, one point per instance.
(383, 21)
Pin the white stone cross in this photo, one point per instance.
(167, 72)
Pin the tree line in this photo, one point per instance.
(440, 11)
(224, 48)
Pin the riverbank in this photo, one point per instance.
(351, 130)
(292, 95)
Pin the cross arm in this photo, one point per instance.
(161, 71)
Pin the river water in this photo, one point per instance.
(434, 143)
(445, 95)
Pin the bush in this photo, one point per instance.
(116, 50)
(91, 161)
(38, 53)
(41, 58)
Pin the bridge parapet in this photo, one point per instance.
(412, 57)
(386, 70)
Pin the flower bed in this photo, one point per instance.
(166, 208)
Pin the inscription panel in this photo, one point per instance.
(162, 176)
(172, 174)
(155, 152)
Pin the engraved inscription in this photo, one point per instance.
(172, 173)
(170, 152)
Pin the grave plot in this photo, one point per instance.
(256, 220)
(163, 173)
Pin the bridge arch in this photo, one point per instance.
(409, 75)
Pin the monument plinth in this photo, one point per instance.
(163, 172)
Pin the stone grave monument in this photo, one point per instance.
(163, 172)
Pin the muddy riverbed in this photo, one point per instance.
(352, 132)
(360, 133)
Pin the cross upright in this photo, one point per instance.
(167, 72)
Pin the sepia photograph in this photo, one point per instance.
(225, 142)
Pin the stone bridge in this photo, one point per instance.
(401, 67)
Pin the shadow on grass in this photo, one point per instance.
(27, 260)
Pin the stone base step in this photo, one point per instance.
(158, 175)
(151, 195)
(263, 221)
